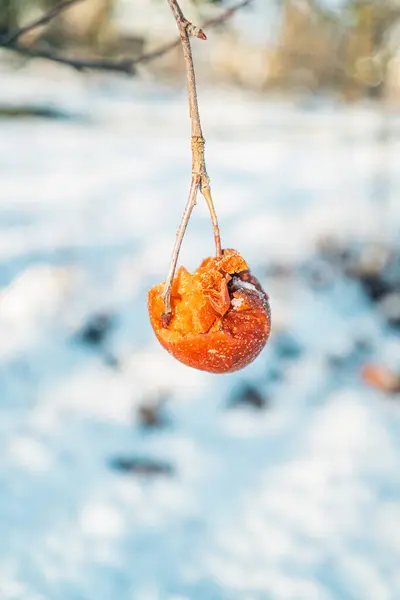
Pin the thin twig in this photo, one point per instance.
(200, 178)
(191, 203)
(43, 20)
(10, 42)
(126, 66)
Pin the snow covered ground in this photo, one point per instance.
(298, 500)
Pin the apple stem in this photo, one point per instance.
(200, 179)
(191, 203)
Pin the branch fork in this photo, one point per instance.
(200, 179)
(183, 23)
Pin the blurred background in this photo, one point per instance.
(124, 474)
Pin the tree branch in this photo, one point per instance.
(46, 18)
(200, 178)
(128, 66)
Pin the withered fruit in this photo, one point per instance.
(220, 319)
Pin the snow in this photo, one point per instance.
(299, 501)
(237, 302)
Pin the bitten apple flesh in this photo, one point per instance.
(220, 318)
